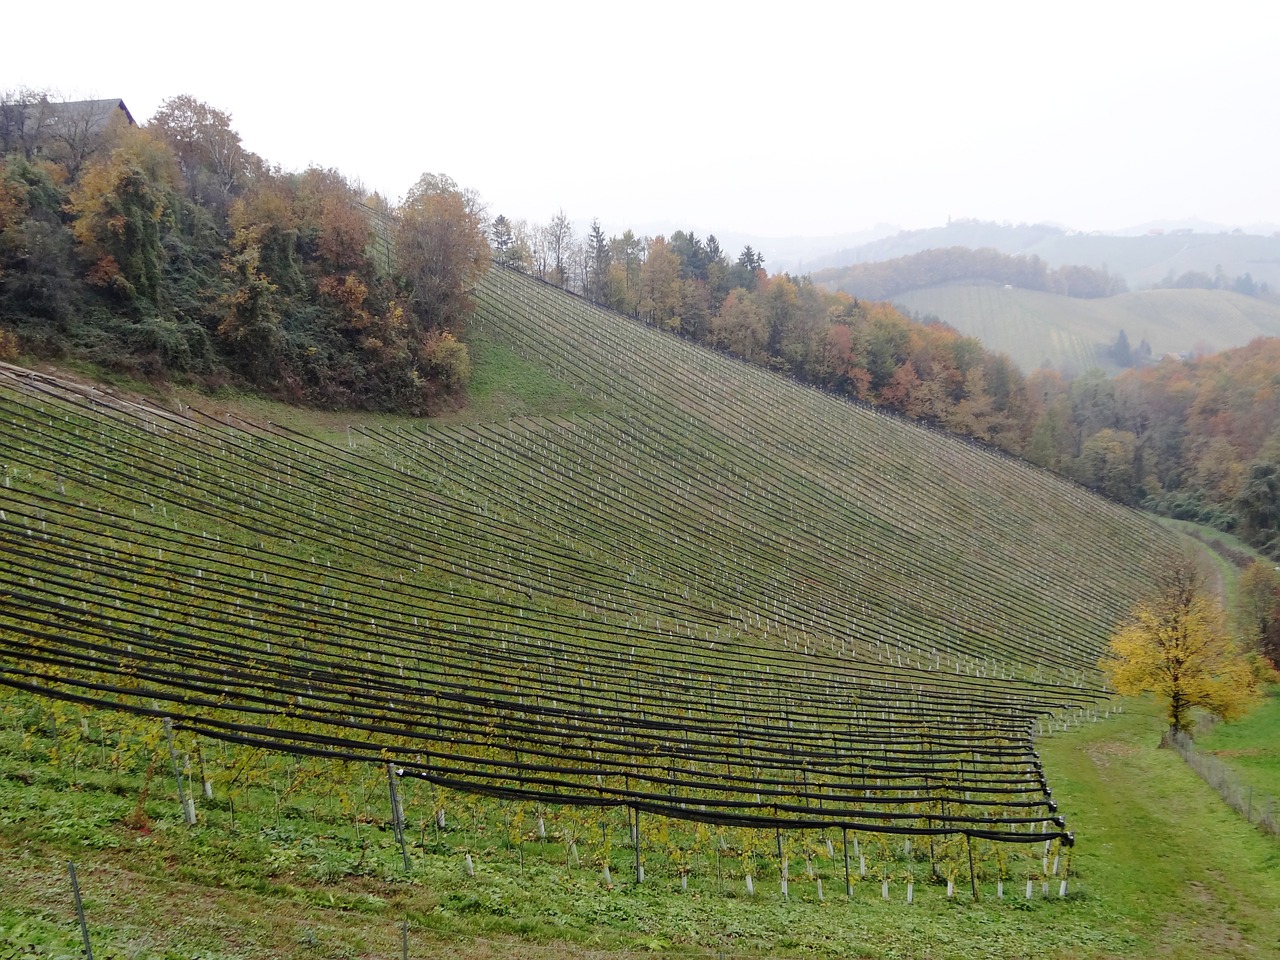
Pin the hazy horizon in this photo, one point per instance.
(822, 122)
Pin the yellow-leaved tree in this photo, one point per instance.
(1175, 643)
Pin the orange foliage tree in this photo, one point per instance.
(120, 204)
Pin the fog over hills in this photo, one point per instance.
(1144, 255)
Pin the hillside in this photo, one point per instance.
(1142, 260)
(674, 585)
(1037, 329)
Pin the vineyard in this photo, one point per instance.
(1043, 329)
(708, 624)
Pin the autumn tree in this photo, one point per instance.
(441, 251)
(740, 328)
(250, 325)
(121, 204)
(214, 165)
(334, 229)
(1258, 608)
(626, 257)
(266, 215)
(660, 285)
(37, 260)
(1175, 643)
(1106, 464)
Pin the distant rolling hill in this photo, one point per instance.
(1142, 260)
(1042, 329)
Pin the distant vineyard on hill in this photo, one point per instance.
(1042, 329)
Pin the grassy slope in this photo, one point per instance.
(1251, 747)
(1162, 870)
(1036, 328)
(1164, 856)
(211, 893)
(1146, 260)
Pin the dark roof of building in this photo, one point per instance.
(95, 113)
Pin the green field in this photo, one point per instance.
(1161, 870)
(639, 604)
(1251, 748)
(1042, 329)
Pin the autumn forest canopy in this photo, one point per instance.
(169, 251)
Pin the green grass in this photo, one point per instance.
(505, 385)
(1036, 328)
(1161, 870)
(1251, 746)
(1223, 552)
(1162, 856)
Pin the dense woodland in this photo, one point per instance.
(170, 251)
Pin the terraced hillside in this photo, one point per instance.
(705, 593)
(1043, 329)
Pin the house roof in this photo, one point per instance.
(93, 114)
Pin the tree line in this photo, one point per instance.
(888, 278)
(862, 349)
(1218, 280)
(1196, 439)
(171, 251)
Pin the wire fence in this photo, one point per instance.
(1261, 810)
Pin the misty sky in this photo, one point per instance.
(795, 118)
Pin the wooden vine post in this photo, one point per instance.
(848, 883)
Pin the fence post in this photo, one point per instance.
(973, 876)
(848, 885)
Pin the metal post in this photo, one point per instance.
(848, 884)
(188, 808)
(973, 876)
(397, 814)
(84, 927)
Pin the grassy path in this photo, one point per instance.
(1161, 859)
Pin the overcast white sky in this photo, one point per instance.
(794, 119)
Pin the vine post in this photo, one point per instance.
(188, 804)
(397, 813)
